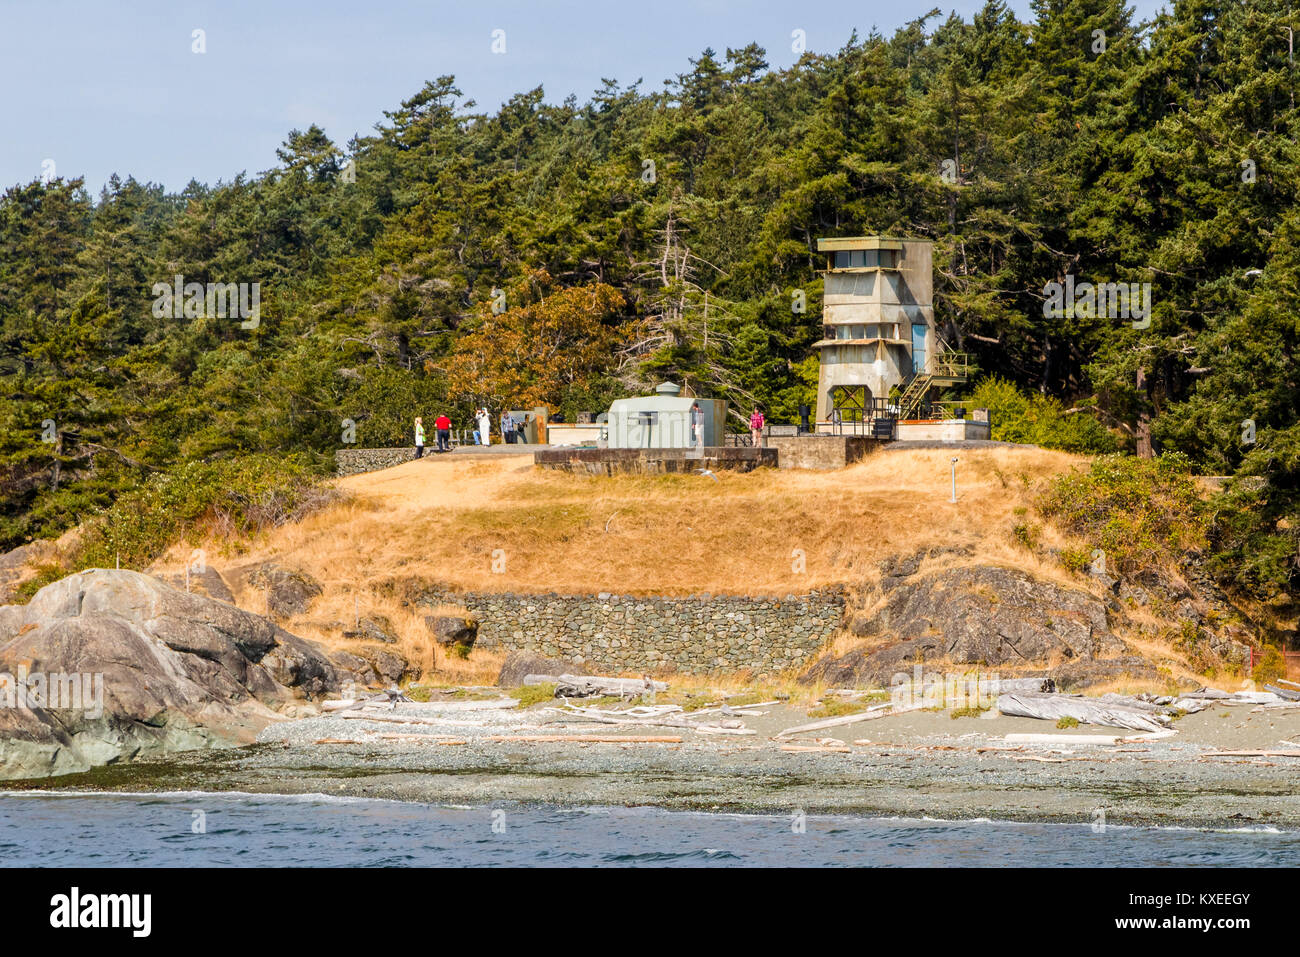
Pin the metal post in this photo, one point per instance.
(954, 481)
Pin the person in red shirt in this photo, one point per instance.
(443, 425)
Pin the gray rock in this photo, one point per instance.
(288, 592)
(452, 630)
(373, 628)
(208, 582)
(390, 667)
(979, 614)
(174, 671)
(520, 664)
(1080, 674)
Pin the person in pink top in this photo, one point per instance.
(756, 427)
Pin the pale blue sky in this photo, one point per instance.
(103, 87)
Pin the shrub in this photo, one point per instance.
(1067, 722)
(1075, 559)
(1138, 511)
(1271, 667)
(1027, 534)
(1036, 419)
(233, 497)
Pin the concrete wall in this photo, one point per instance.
(654, 461)
(567, 433)
(694, 635)
(820, 451)
(946, 430)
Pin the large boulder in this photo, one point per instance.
(288, 592)
(519, 664)
(113, 664)
(451, 630)
(205, 581)
(373, 628)
(967, 615)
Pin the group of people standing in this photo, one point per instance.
(512, 430)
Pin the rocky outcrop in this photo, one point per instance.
(973, 614)
(106, 665)
(203, 581)
(520, 664)
(372, 666)
(451, 630)
(373, 628)
(288, 592)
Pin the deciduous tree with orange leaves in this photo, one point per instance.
(548, 341)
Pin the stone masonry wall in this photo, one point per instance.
(694, 635)
(356, 461)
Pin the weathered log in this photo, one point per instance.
(1283, 692)
(661, 716)
(592, 738)
(876, 711)
(1251, 754)
(585, 686)
(1012, 685)
(490, 704)
(1073, 739)
(408, 719)
(1053, 707)
(745, 710)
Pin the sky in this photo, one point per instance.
(95, 87)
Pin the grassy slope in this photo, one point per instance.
(442, 518)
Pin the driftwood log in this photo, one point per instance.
(663, 716)
(1283, 692)
(591, 738)
(876, 711)
(1053, 707)
(587, 686)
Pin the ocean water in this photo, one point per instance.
(248, 830)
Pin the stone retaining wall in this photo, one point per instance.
(356, 461)
(694, 635)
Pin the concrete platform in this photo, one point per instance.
(821, 451)
(500, 448)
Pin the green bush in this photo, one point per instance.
(1035, 419)
(1075, 559)
(1026, 534)
(1137, 511)
(233, 497)
(1271, 667)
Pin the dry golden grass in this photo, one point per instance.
(499, 524)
